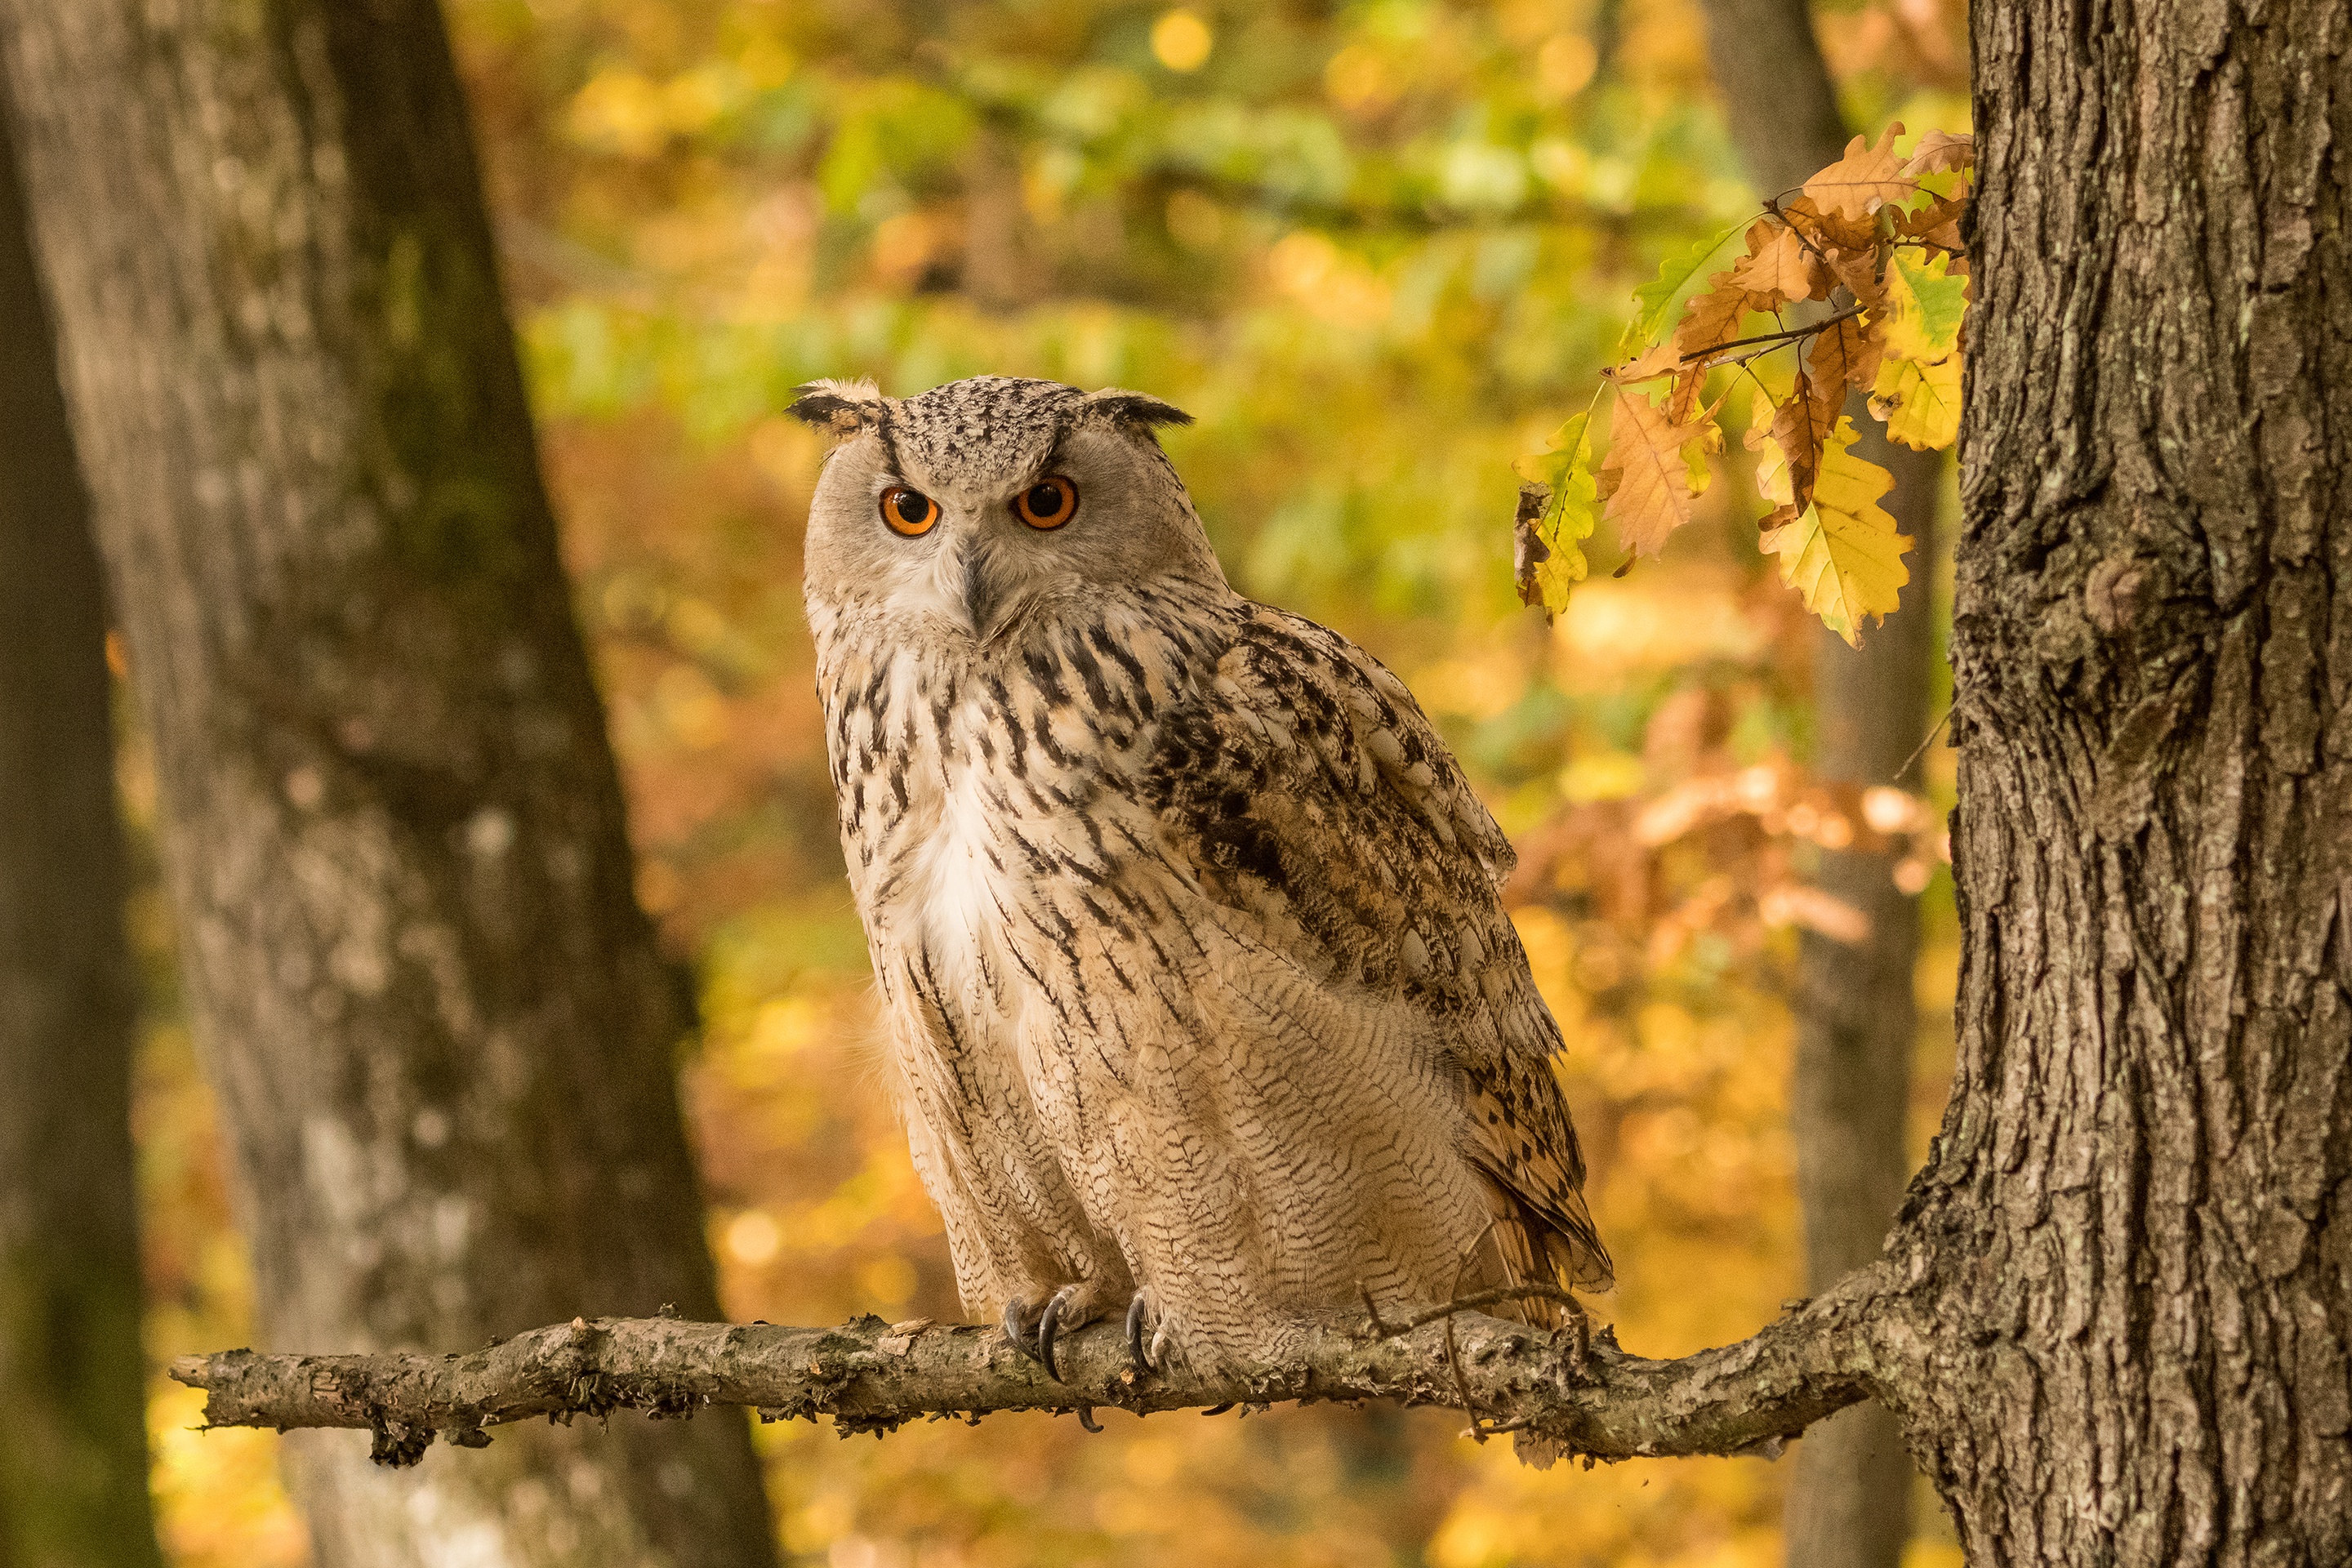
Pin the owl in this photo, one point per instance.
(1200, 998)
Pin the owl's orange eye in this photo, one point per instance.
(1049, 504)
(910, 512)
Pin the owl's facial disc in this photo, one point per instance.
(960, 514)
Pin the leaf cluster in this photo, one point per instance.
(1864, 276)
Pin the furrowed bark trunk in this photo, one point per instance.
(1849, 1502)
(440, 1031)
(2133, 1247)
(73, 1437)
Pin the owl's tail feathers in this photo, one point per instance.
(1529, 1247)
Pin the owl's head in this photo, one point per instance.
(984, 502)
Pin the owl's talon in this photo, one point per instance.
(1016, 1312)
(1135, 1349)
(1048, 1325)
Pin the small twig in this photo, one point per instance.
(1530, 1291)
(1380, 1331)
(1462, 1384)
(1787, 334)
(1897, 776)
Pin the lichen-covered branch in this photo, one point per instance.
(1560, 1394)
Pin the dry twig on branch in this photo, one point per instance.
(871, 1376)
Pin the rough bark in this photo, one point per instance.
(73, 1447)
(1849, 1502)
(438, 1026)
(2135, 1240)
(1567, 1395)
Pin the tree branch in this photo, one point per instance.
(870, 1376)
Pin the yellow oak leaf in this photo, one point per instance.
(1842, 554)
(1661, 359)
(1548, 536)
(1646, 475)
(1941, 151)
(1862, 182)
(1920, 403)
(1922, 308)
(1781, 268)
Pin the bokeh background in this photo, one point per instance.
(1378, 249)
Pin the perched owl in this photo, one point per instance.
(1185, 923)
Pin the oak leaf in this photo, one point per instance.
(1661, 359)
(1938, 222)
(1920, 403)
(1655, 301)
(1862, 182)
(1548, 553)
(1780, 268)
(1714, 317)
(1922, 308)
(1646, 476)
(1831, 232)
(1801, 423)
(1941, 151)
(1842, 553)
(1843, 354)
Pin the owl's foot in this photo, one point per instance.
(1038, 1342)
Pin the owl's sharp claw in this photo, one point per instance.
(1047, 1326)
(1016, 1313)
(1135, 1350)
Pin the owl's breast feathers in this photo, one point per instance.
(1081, 783)
(1305, 784)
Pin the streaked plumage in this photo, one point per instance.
(1185, 920)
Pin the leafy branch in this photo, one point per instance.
(1561, 1392)
(1897, 276)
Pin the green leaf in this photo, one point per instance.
(1660, 297)
(1923, 309)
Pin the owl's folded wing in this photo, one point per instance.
(1306, 785)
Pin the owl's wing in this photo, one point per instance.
(1304, 784)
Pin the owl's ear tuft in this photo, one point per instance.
(843, 407)
(1135, 410)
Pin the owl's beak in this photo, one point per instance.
(983, 591)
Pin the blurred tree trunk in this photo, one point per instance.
(440, 1030)
(1849, 1500)
(73, 1424)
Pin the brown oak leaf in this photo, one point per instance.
(1646, 476)
(1782, 267)
(1940, 152)
(1862, 182)
(1800, 425)
(1844, 354)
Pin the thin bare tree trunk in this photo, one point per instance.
(1850, 1500)
(73, 1443)
(441, 1033)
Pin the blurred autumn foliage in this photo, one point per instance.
(1378, 249)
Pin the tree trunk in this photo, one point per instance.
(1849, 1499)
(437, 1023)
(73, 1440)
(2134, 1248)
